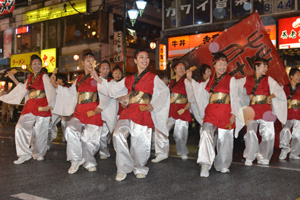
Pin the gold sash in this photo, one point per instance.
(139, 97)
(87, 97)
(178, 98)
(258, 99)
(294, 103)
(36, 94)
(219, 98)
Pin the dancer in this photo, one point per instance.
(35, 117)
(292, 92)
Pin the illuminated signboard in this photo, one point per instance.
(179, 46)
(48, 57)
(21, 30)
(54, 12)
(162, 57)
(21, 59)
(6, 6)
(289, 33)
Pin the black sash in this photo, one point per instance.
(292, 91)
(257, 81)
(83, 79)
(32, 80)
(217, 81)
(137, 78)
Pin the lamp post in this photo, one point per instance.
(141, 4)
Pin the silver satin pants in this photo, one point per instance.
(31, 130)
(224, 143)
(264, 150)
(161, 143)
(136, 158)
(64, 123)
(104, 141)
(286, 136)
(180, 134)
(83, 141)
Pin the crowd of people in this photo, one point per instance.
(96, 109)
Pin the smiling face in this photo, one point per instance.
(36, 66)
(117, 75)
(142, 60)
(104, 70)
(179, 70)
(295, 78)
(206, 74)
(220, 67)
(87, 63)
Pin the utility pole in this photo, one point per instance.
(124, 37)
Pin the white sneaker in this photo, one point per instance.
(140, 175)
(22, 159)
(284, 153)
(103, 157)
(75, 166)
(184, 157)
(204, 170)
(225, 170)
(120, 177)
(263, 162)
(92, 169)
(295, 157)
(248, 162)
(159, 157)
(40, 158)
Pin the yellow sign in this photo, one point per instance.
(162, 57)
(54, 12)
(20, 60)
(48, 57)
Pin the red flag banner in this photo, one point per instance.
(241, 43)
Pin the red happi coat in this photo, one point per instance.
(219, 114)
(174, 107)
(88, 85)
(32, 105)
(133, 112)
(262, 89)
(293, 113)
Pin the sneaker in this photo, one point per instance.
(184, 157)
(40, 158)
(263, 162)
(75, 166)
(225, 170)
(295, 157)
(92, 169)
(103, 157)
(120, 177)
(140, 175)
(284, 153)
(159, 157)
(248, 162)
(204, 170)
(22, 159)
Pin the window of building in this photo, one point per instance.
(30, 41)
(53, 33)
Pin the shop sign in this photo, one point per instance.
(289, 33)
(162, 57)
(48, 57)
(7, 42)
(21, 30)
(6, 6)
(118, 46)
(4, 24)
(54, 12)
(271, 30)
(21, 59)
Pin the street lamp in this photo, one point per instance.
(141, 4)
(133, 14)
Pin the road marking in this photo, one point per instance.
(25, 196)
(268, 166)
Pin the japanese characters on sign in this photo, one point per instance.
(118, 46)
(54, 12)
(48, 57)
(162, 57)
(21, 59)
(6, 6)
(289, 33)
